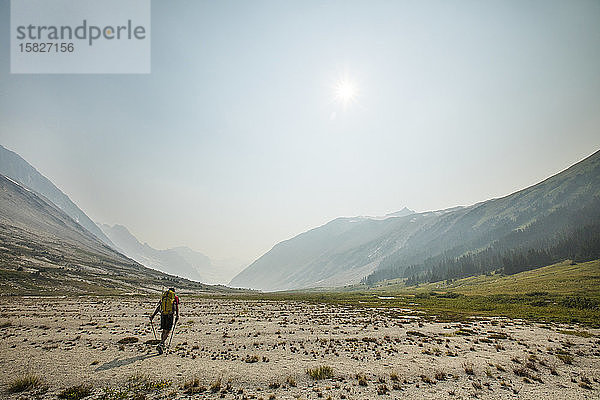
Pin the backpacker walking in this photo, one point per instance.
(168, 306)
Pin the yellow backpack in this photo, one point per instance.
(166, 302)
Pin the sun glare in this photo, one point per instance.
(345, 92)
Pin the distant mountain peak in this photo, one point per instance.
(181, 261)
(402, 213)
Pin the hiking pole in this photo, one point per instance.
(172, 332)
(153, 331)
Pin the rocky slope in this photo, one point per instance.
(44, 251)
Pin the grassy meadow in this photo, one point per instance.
(565, 293)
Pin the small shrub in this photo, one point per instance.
(468, 369)
(216, 386)
(526, 375)
(382, 389)
(362, 379)
(128, 340)
(531, 366)
(536, 294)
(142, 383)
(321, 372)
(114, 394)
(291, 381)
(251, 358)
(25, 383)
(567, 359)
(584, 334)
(498, 336)
(76, 392)
(415, 333)
(582, 303)
(448, 295)
(193, 387)
(464, 332)
(440, 375)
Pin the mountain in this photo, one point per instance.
(179, 261)
(402, 213)
(340, 252)
(45, 251)
(19, 170)
(345, 250)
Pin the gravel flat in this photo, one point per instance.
(237, 349)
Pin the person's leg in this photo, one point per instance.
(166, 324)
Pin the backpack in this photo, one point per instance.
(166, 302)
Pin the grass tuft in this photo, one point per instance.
(566, 358)
(320, 372)
(216, 386)
(76, 392)
(440, 375)
(193, 387)
(468, 368)
(362, 379)
(25, 383)
(291, 381)
(128, 340)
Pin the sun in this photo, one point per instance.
(345, 92)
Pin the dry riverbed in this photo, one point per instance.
(236, 349)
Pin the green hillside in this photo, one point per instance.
(561, 279)
(557, 293)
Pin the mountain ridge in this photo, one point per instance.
(180, 261)
(335, 257)
(46, 252)
(13, 166)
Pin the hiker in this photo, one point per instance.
(168, 307)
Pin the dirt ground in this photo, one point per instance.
(260, 349)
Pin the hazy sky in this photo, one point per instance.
(233, 142)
